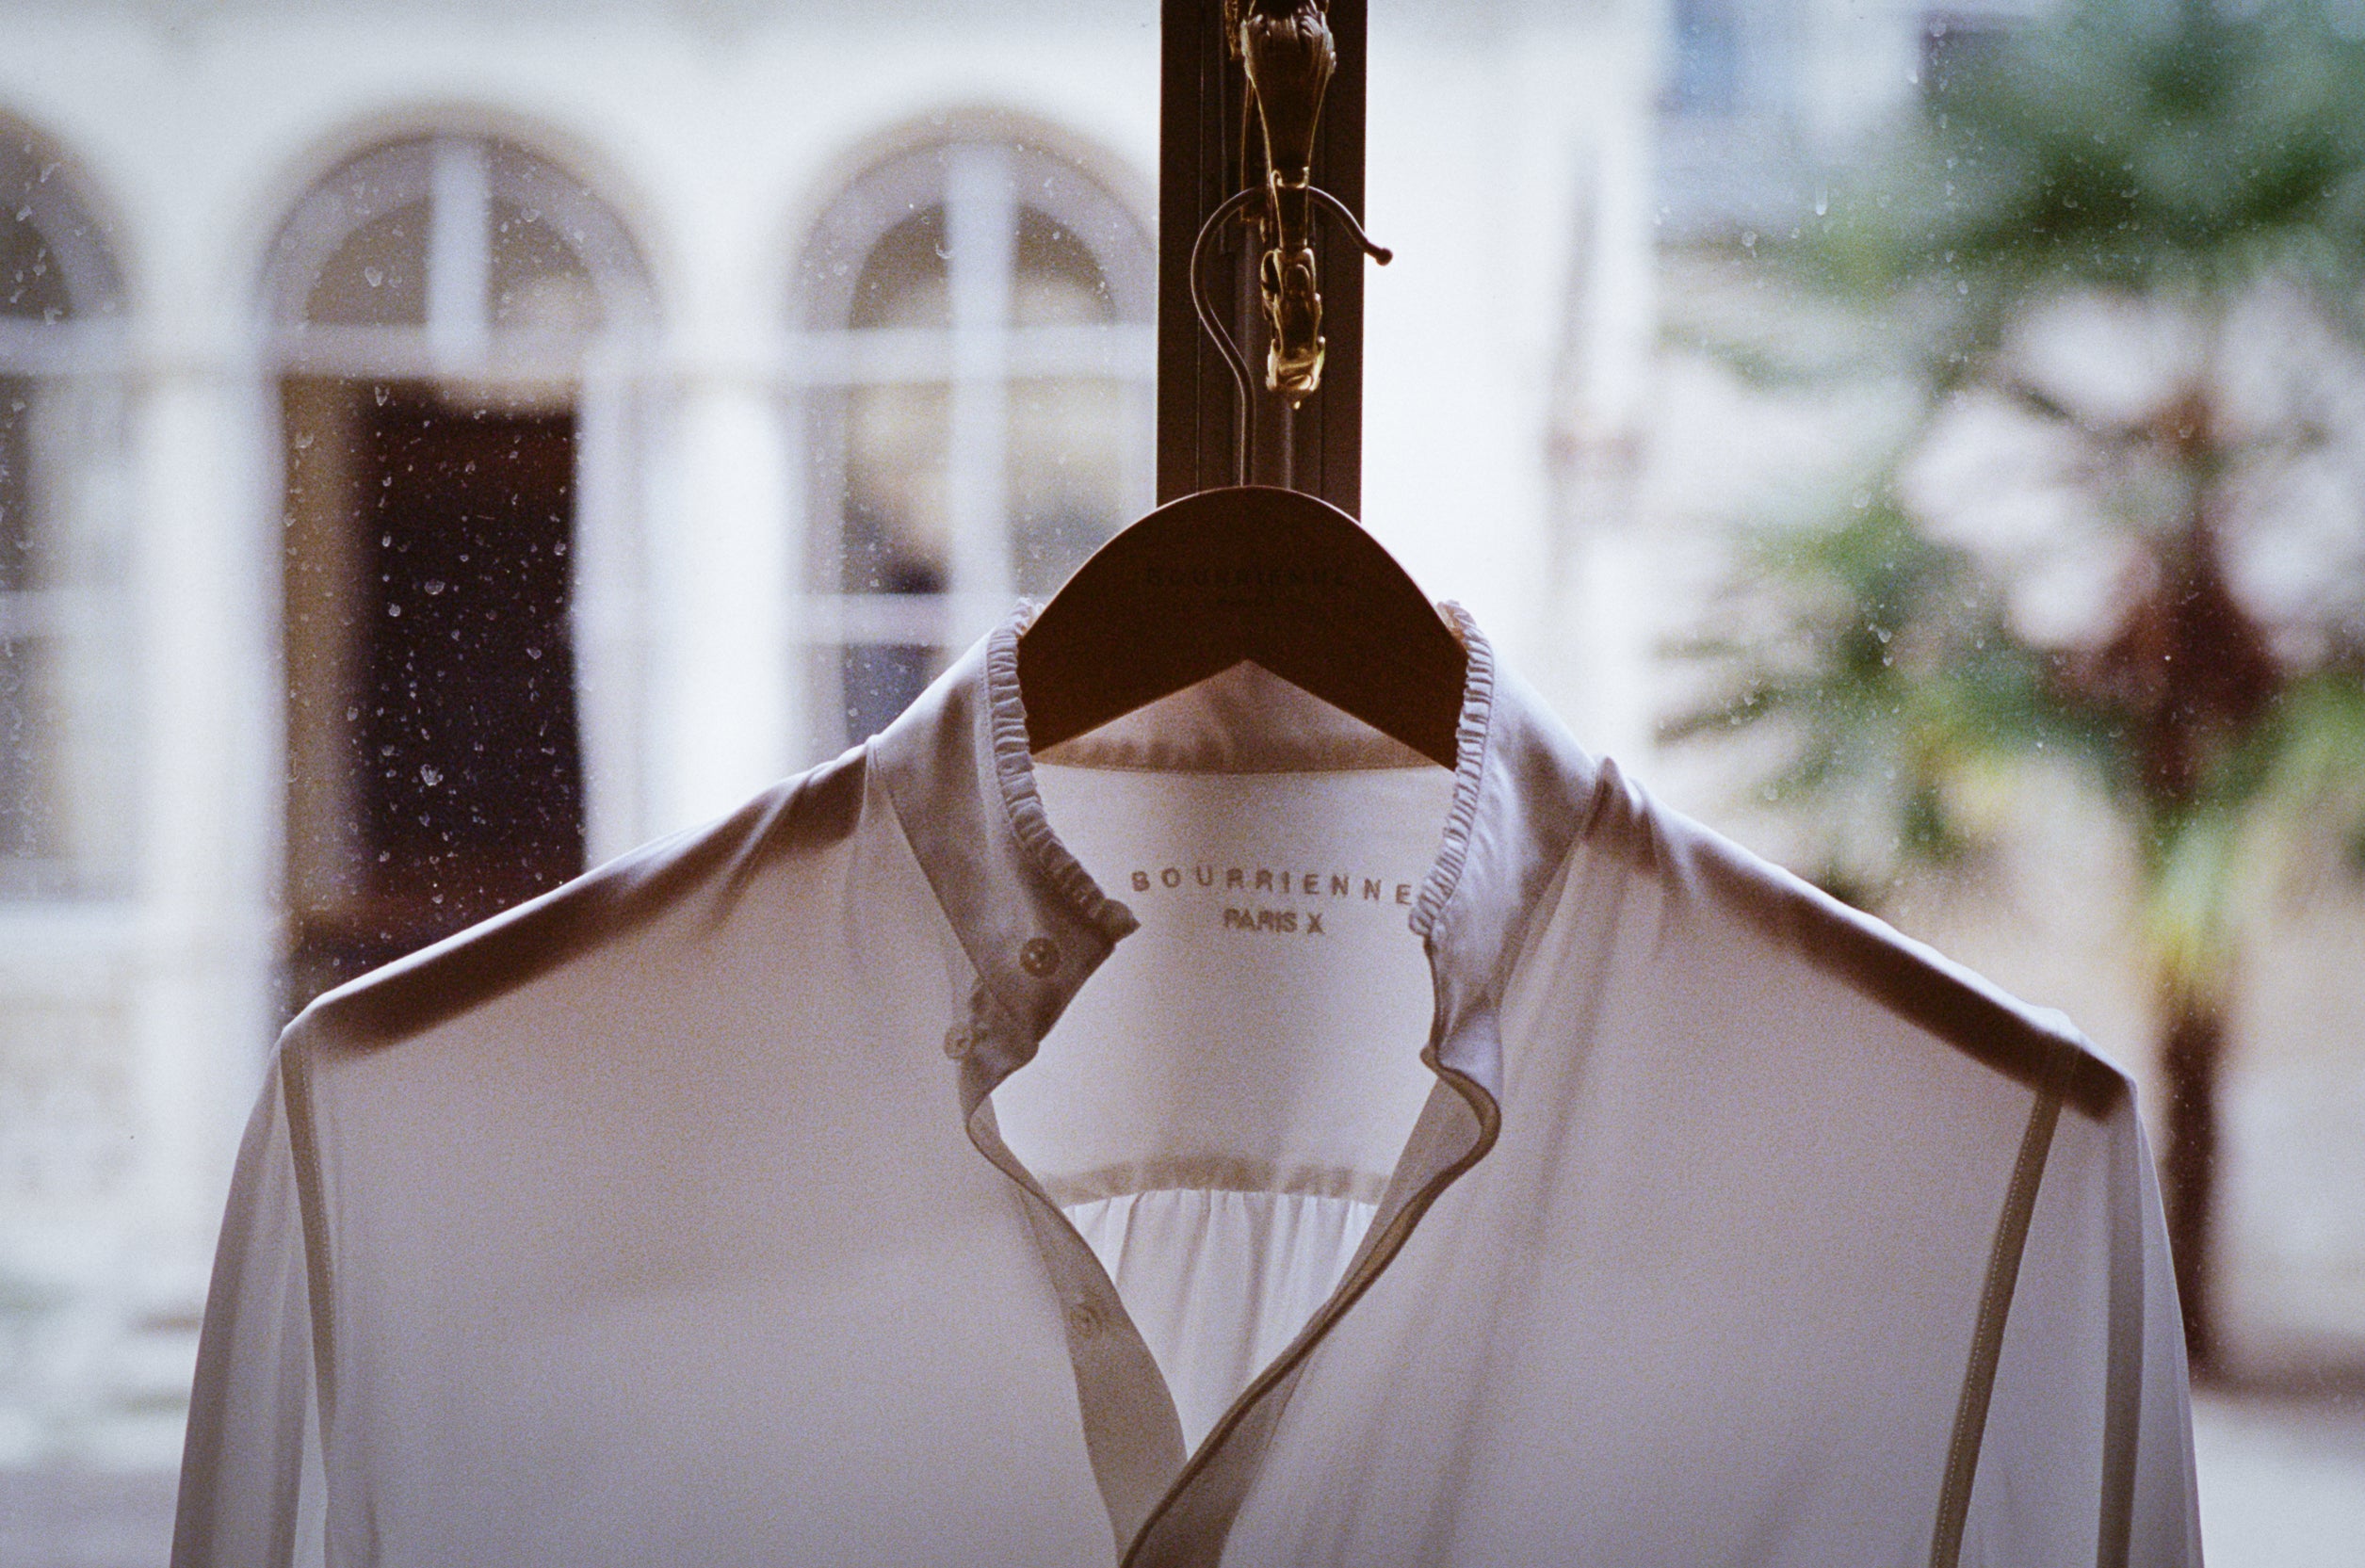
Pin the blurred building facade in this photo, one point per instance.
(447, 444)
(443, 446)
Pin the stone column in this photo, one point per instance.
(206, 603)
(724, 697)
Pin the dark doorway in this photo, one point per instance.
(435, 768)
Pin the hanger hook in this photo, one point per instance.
(1212, 324)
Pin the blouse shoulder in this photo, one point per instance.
(715, 863)
(2038, 1047)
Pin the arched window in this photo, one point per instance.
(456, 323)
(66, 720)
(975, 374)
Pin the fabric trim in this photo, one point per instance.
(312, 1206)
(1214, 1175)
(2123, 1382)
(1014, 773)
(1995, 1307)
(1469, 750)
(1132, 1433)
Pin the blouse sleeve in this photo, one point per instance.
(250, 1467)
(2163, 1497)
(2088, 1450)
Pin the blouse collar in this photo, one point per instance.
(957, 771)
(957, 766)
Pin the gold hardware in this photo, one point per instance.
(1288, 52)
(1287, 48)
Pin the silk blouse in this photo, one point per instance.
(1225, 1138)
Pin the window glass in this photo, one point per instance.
(66, 665)
(377, 278)
(975, 386)
(438, 300)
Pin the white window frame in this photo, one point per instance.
(982, 185)
(612, 370)
(83, 355)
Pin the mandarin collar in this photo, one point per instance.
(960, 778)
(958, 769)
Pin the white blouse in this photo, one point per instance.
(1225, 1139)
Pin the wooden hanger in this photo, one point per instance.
(1248, 571)
(1252, 572)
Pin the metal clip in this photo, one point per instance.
(1287, 48)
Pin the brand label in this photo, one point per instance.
(1313, 891)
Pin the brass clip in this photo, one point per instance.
(1287, 48)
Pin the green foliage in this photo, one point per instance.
(2158, 145)
(2280, 813)
(2163, 150)
(1895, 683)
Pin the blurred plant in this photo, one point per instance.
(2121, 251)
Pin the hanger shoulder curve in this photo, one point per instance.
(1243, 573)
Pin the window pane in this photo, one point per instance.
(537, 282)
(65, 726)
(16, 469)
(879, 681)
(897, 535)
(905, 281)
(439, 765)
(27, 828)
(431, 669)
(32, 284)
(1705, 76)
(1068, 440)
(1057, 283)
(61, 751)
(938, 499)
(377, 278)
